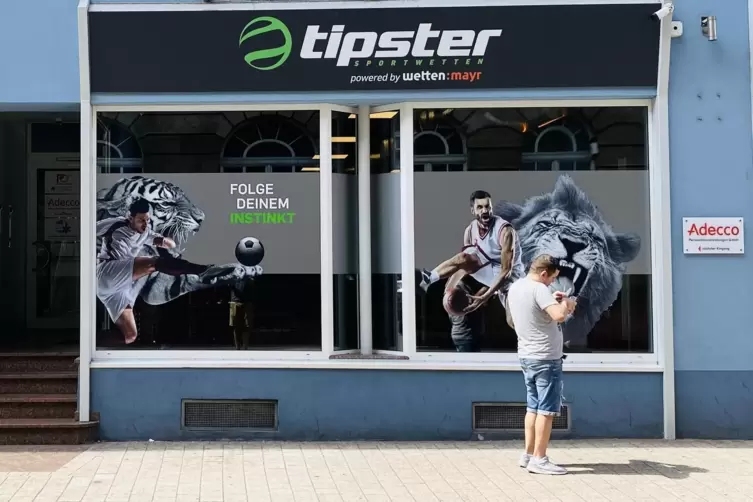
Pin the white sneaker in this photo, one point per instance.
(544, 466)
(524, 459)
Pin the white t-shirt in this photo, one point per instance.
(539, 337)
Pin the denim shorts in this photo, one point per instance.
(543, 385)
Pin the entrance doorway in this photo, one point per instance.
(39, 231)
(53, 253)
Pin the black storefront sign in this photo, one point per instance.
(546, 46)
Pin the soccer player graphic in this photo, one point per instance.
(491, 255)
(120, 266)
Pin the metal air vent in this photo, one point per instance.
(245, 414)
(510, 417)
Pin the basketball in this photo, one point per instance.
(249, 251)
(455, 300)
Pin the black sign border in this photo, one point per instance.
(542, 46)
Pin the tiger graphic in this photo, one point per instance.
(172, 212)
(173, 215)
(565, 224)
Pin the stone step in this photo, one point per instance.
(21, 362)
(53, 382)
(37, 405)
(40, 431)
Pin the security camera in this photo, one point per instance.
(708, 27)
(666, 10)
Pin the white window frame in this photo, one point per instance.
(88, 218)
(660, 243)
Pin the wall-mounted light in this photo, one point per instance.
(376, 115)
(335, 156)
(708, 27)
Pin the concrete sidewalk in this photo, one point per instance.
(375, 471)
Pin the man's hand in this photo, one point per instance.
(559, 295)
(562, 296)
(571, 304)
(164, 242)
(478, 300)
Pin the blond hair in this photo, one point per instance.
(543, 263)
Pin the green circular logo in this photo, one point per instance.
(276, 55)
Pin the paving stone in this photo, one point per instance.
(600, 470)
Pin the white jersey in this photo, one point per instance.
(486, 245)
(124, 243)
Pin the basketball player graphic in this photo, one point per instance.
(490, 255)
(119, 266)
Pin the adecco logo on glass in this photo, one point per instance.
(276, 55)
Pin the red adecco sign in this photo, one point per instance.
(713, 236)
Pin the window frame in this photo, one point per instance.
(88, 217)
(660, 243)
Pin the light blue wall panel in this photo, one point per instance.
(38, 55)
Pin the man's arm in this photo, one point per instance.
(560, 310)
(455, 278)
(467, 236)
(557, 306)
(119, 246)
(507, 238)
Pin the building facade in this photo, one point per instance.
(310, 160)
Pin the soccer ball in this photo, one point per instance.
(249, 251)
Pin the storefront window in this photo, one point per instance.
(385, 231)
(345, 230)
(572, 182)
(208, 231)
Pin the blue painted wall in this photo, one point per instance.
(711, 151)
(38, 55)
(364, 404)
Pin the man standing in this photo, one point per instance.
(242, 312)
(490, 255)
(536, 313)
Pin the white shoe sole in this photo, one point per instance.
(534, 470)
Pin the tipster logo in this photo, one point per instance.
(274, 56)
(346, 46)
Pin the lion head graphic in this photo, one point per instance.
(565, 224)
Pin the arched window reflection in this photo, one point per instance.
(438, 143)
(118, 150)
(272, 143)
